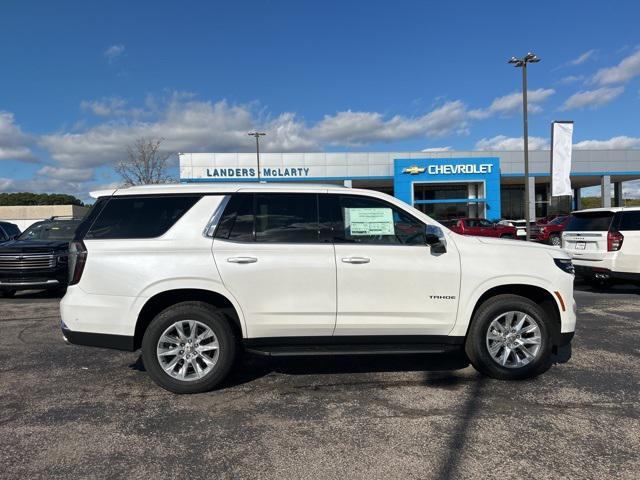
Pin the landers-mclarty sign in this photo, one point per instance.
(268, 172)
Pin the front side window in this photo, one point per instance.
(140, 217)
(356, 219)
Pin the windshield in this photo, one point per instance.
(62, 231)
(590, 222)
(557, 221)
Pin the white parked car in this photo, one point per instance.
(193, 273)
(605, 244)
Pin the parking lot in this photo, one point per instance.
(69, 411)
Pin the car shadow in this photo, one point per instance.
(251, 367)
(615, 289)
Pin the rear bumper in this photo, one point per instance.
(605, 274)
(117, 342)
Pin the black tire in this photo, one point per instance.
(476, 345)
(7, 293)
(201, 312)
(555, 240)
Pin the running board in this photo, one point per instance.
(375, 349)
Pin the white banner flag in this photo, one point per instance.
(561, 146)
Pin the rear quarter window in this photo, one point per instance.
(139, 217)
(590, 222)
(630, 221)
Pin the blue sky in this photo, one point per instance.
(81, 80)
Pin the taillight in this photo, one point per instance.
(614, 241)
(77, 260)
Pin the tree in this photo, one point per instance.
(145, 163)
(28, 198)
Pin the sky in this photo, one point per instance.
(79, 81)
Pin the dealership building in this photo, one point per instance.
(442, 184)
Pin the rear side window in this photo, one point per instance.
(286, 218)
(590, 222)
(11, 229)
(139, 217)
(270, 218)
(630, 221)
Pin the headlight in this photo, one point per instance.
(565, 264)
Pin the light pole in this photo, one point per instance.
(257, 135)
(522, 63)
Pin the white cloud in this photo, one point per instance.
(627, 69)
(438, 149)
(113, 52)
(582, 58)
(504, 143)
(68, 174)
(105, 107)
(14, 144)
(190, 125)
(568, 80)
(614, 143)
(512, 103)
(592, 98)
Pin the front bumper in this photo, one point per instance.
(33, 279)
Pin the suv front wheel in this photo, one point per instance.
(510, 338)
(189, 348)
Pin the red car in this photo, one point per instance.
(551, 232)
(481, 228)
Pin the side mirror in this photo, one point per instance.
(435, 239)
(495, 225)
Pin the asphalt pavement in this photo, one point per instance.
(80, 412)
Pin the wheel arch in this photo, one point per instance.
(158, 302)
(541, 296)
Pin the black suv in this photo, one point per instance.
(8, 231)
(37, 258)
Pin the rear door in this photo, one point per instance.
(389, 280)
(628, 259)
(269, 255)
(585, 237)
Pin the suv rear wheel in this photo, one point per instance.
(510, 338)
(189, 348)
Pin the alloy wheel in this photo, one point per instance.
(188, 350)
(513, 339)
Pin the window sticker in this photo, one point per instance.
(369, 221)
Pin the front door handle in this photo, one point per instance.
(242, 259)
(356, 260)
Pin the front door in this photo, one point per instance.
(269, 256)
(389, 281)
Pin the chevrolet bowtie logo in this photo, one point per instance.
(413, 170)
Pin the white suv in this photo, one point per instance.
(193, 273)
(605, 244)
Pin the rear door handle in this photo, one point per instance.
(242, 259)
(356, 260)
